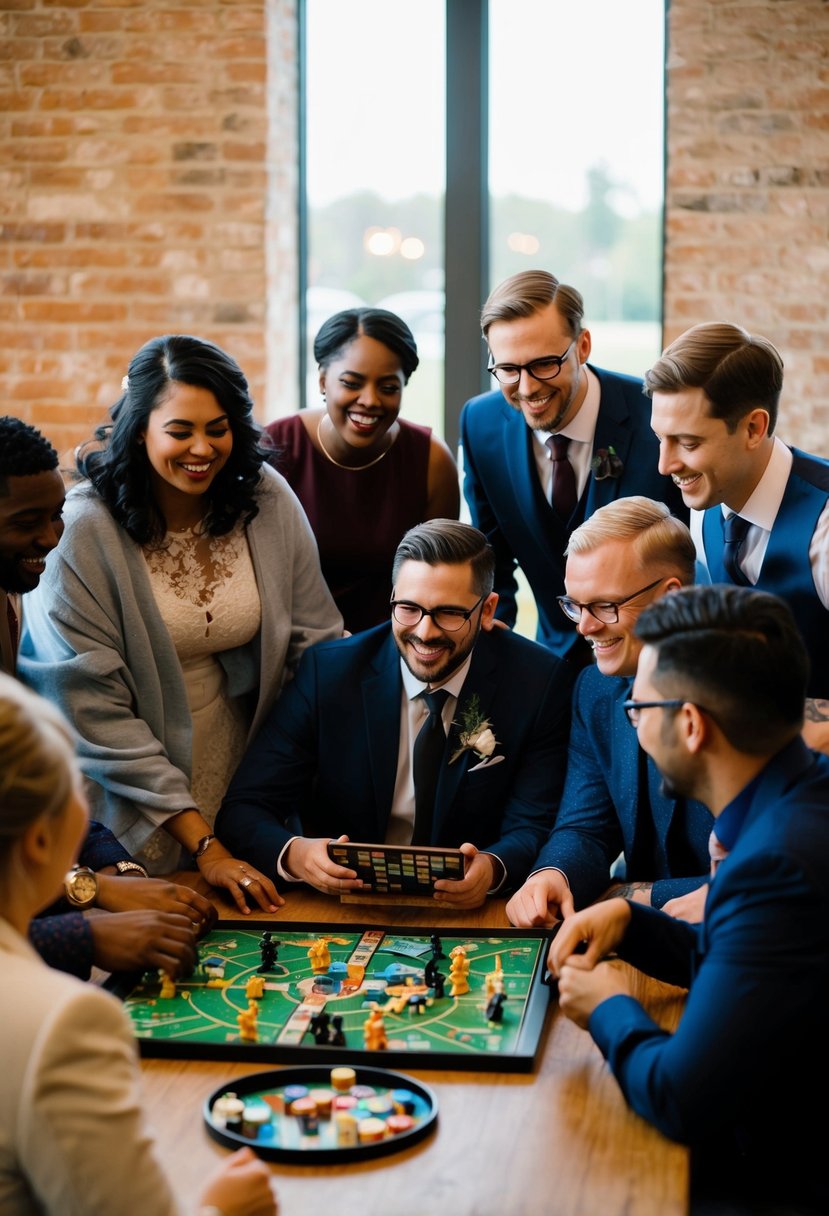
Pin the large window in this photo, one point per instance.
(375, 156)
(556, 110)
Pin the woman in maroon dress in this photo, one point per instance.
(362, 474)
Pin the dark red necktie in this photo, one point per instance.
(563, 493)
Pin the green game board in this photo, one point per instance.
(366, 965)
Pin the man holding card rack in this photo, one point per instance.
(437, 728)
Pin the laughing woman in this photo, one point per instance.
(363, 475)
(186, 585)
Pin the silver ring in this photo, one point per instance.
(245, 882)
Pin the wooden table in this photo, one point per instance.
(559, 1142)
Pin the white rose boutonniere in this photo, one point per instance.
(476, 735)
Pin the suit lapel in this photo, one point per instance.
(480, 682)
(381, 690)
(612, 431)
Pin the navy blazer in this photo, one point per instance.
(325, 760)
(601, 811)
(506, 501)
(740, 1074)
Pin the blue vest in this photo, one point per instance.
(786, 570)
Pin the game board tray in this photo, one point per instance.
(283, 1139)
(200, 1018)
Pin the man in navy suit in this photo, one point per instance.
(715, 395)
(718, 705)
(335, 757)
(623, 558)
(525, 492)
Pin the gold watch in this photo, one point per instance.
(81, 886)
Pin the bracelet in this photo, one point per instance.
(202, 847)
(131, 867)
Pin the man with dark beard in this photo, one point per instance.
(557, 439)
(338, 756)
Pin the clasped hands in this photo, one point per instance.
(578, 958)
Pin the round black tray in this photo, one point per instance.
(321, 1149)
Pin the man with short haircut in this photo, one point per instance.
(558, 439)
(626, 556)
(759, 509)
(718, 705)
(336, 757)
(31, 509)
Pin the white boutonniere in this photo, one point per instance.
(476, 732)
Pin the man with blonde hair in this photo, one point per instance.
(627, 555)
(558, 439)
(759, 508)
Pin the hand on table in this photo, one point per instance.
(126, 893)
(471, 890)
(145, 938)
(544, 899)
(241, 1185)
(307, 858)
(243, 881)
(690, 907)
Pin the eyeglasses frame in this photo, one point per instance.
(462, 612)
(615, 604)
(494, 368)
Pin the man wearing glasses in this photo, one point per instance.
(718, 705)
(556, 440)
(436, 728)
(626, 556)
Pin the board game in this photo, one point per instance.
(284, 992)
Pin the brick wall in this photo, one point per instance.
(132, 193)
(148, 167)
(748, 186)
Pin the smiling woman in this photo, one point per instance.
(187, 583)
(363, 475)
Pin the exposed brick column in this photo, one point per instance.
(133, 193)
(748, 186)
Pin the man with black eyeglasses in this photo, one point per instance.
(614, 806)
(437, 728)
(718, 705)
(557, 439)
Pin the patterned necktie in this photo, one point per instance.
(427, 756)
(734, 533)
(563, 491)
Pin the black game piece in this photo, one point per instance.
(495, 1008)
(320, 1024)
(438, 985)
(268, 948)
(336, 1035)
(437, 948)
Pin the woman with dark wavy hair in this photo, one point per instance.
(187, 583)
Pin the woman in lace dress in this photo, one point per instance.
(186, 585)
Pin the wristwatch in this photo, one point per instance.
(203, 845)
(81, 886)
(131, 867)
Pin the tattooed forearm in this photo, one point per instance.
(816, 709)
